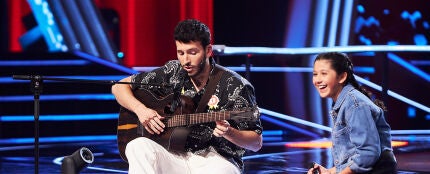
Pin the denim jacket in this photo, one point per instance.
(360, 132)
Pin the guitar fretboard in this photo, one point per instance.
(187, 119)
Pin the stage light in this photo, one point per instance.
(74, 163)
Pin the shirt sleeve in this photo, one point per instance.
(165, 75)
(144, 79)
(240, 95)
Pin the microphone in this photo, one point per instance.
(40, 78)
(26, 77)
(311, 165)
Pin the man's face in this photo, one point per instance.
(192, 56)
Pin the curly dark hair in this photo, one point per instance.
(192, 30)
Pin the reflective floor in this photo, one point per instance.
(275, 157)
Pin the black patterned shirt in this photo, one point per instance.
(233, 92)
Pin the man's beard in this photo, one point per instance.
(201, 67)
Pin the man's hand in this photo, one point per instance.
(150, 119)
(222, 128)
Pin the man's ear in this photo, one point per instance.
(209, 51)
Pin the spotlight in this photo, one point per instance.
(74, 163)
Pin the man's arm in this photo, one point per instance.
(244, 138)
(247, 139)
(124, 95)
(149, 118)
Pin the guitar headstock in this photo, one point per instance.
(246, 114)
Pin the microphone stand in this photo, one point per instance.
(36, 87)
(36, 82)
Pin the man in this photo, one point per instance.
(212, 147)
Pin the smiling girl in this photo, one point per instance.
(360, 135)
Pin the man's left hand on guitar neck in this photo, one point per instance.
(222, 128)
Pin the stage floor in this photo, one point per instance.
(274, 157)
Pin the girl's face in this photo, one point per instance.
(325, 79)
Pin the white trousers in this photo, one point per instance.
(147, 157)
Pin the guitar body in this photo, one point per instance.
(175, 133)
(129, 126)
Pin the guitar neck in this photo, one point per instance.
(196, 118)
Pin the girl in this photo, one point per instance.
(360, 135)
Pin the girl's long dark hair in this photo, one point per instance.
(341, 63)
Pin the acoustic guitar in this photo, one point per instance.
(175, 132)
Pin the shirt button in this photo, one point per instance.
(336, 162)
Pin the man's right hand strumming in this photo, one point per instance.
(150, 119)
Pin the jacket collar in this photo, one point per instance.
(342, 96)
